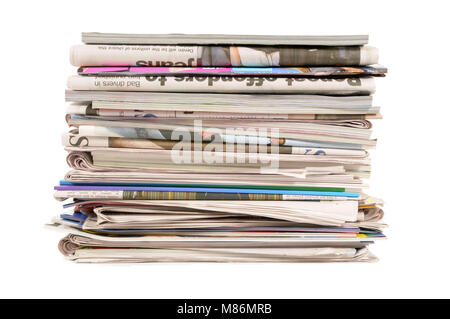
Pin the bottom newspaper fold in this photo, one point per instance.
(90, 252)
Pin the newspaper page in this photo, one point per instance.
(225, 84)
(192, 56)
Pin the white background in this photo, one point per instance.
(410, 166)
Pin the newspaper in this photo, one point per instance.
(219, 162)
(248, 127)
(79, 140)
(225, 84)
(129, 160)
(199, 131)
(154, 214)
(173, 195)
(333, 177)
(133, 255)
(201, 99)
(374, 70)
(180, 117)
(289, 139)
(210, 39)
(197, 56)
(92, 240)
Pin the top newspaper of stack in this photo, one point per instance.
(208, 39)
(222, 51)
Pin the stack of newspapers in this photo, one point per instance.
(229, 148)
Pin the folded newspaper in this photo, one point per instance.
(219, 148)
(220, 56)
(209, 39)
